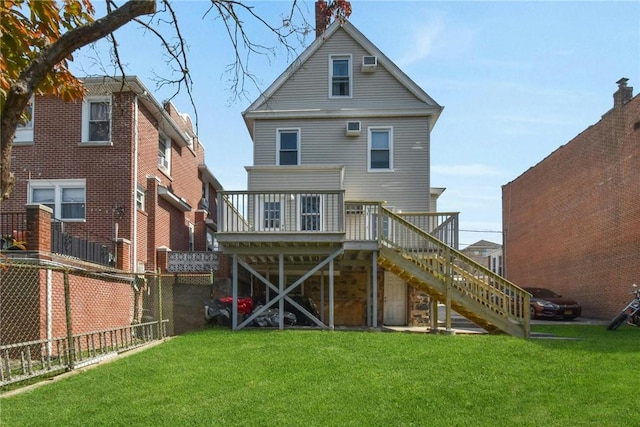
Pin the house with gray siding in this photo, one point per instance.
(339, 207)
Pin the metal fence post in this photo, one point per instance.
(71, 352)
(160, 329)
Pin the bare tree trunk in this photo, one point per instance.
(21, 91)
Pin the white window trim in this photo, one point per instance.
(260, 225)
(369, 149)
(58, 185)
(24, 134)
(192, 237)
(140, 197)
(167, 153)
(298, 131)
(86, 111)
(300, 214)
(331, 59)
(213, 246)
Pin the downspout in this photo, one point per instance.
(134, 237)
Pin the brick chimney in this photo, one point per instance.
(623, 94)
(322, 19)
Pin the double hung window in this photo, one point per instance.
(67, 199)
(164, 153)
(288, 147)
(340, 76)
(96, 119)
(380, 149)
(24, 130)
(140, 193)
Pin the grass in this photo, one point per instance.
(321, 378)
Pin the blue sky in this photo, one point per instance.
(517, 80)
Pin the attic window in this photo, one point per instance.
(340, 77)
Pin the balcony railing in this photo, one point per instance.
(73, 240)
(319, 212)
(281, 212)
(13, 229)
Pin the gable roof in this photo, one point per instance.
(482, 244)
(431, 106)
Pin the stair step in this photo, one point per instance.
(429, 276)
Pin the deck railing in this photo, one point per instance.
(441, 225)
(319, 211)
(281, 212)
(476, 286)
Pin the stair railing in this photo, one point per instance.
(472, 281)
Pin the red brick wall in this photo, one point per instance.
(58, 312)
(96, 304)
(38, 228)
(56, 153)
(572, 222)
(165, 224)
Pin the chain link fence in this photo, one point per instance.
(56, 319)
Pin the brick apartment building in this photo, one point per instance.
(572, 222)
(122, 166)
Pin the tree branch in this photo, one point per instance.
(23, 88)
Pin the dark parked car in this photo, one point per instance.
(546, 303)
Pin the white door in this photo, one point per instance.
(395, 301)
(269, 214)
(310, 213)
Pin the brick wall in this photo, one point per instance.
(32, 294)
(166, 225)
(572, 222)
(56, 153)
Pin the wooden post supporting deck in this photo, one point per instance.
(283, 292)
(234, 295)
(374, 277)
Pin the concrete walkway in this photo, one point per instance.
(460, 324)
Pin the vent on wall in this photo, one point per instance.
(353, 128)
(369, 64)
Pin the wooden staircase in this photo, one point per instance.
(448, 276)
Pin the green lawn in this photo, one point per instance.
(321, 378)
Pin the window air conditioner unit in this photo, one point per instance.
(369, 64)
(353, 128)
(163, 162)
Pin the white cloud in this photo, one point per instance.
(433, 36)
(422, 43)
